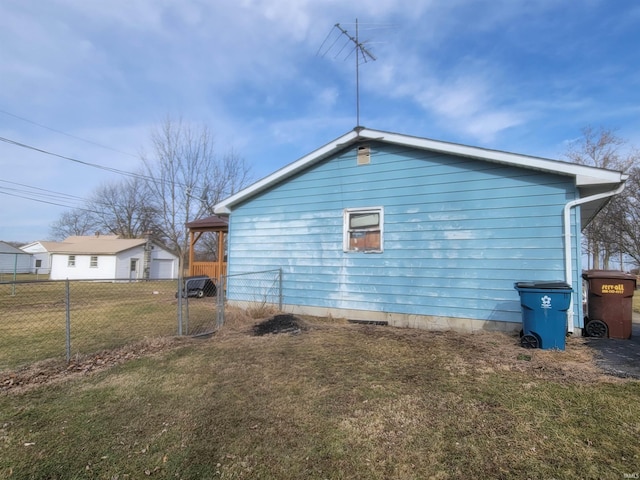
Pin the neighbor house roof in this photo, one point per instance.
(98, 245)
(6, 248)
(589, 180)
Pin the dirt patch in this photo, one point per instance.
(56, 371)
(283, 323)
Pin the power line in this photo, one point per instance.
(66, 134)
(42, 195)
(72, 197)
(51, 197)
(139, 176)
(81, 162)
(47, 202)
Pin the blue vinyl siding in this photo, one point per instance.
(458, 233)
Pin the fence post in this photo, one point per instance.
(180, 305)
(220, 301)
(15, 275)
(280, 289)
(67, 302)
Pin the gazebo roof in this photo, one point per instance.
(213, 223)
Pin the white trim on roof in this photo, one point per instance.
(585, 176)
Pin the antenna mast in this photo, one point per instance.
(360, 50)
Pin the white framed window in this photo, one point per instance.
(93, 262)
(363, 230)
(71, 261)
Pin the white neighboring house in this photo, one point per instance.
(14, 260)
(40, 258)
(103, 257)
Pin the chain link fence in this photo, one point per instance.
(41, 320)
(45, 319)
(257, 293)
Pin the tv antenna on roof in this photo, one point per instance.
(362, 56)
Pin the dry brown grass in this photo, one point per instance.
(336, 400)
(54, 371)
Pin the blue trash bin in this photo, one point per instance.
(544, 313)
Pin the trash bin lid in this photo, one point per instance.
(613, 274)
(544, 285)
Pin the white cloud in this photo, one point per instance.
(498, 72)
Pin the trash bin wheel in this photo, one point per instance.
(597, 328)
(529, 341)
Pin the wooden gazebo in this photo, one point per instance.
(214, 224)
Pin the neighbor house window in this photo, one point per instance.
(72, 261)
(93, 263)
(363, 229)
(38, 263)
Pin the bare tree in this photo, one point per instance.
(188, 178)
(625, 209)
(230, 174)
(182, 180)
(124, 208)
(602, 148)
(73, 222)
(598, 148)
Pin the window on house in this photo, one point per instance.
(71, 262)
(93, 263)
(363, 229)
(38, 263)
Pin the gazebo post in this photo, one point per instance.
(192, 244)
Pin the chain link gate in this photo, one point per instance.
(197, 306)
(254, 292)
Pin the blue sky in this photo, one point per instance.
(90, 80)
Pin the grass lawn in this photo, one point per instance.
(336, 401)
(103, 315)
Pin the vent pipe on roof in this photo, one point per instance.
(568, 270)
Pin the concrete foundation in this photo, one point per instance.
(424, 322)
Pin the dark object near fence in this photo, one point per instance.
(200, 286)
(278, 324)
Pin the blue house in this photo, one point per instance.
(380, 226)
